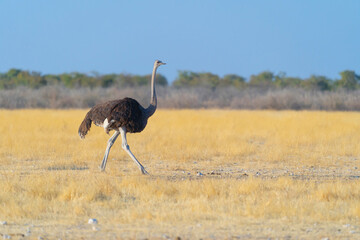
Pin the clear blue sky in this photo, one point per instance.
(300, 38)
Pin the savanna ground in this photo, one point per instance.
(214, 174)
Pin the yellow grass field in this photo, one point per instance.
(214, 174)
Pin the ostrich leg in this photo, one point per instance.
(126, 147)
(109, 145)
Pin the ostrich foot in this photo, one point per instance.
(143, 171)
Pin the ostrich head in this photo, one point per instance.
(158, 63)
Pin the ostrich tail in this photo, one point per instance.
(84, 127)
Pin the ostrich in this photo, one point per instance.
(123, 116)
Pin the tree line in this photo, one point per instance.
(17, 77)
(348, 80)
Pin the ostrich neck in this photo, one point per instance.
(153, 100)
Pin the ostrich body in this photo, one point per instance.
(123, 116)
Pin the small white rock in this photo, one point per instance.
(165, 236)
(93, 221)
(95, 228)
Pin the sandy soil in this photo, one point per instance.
(248, 229)
(243, 228)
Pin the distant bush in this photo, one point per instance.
(16, 77)
(208, 80)
(171, 97)
(267, 80)
(349, 80)
(266, 90)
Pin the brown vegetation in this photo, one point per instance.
(170, 98)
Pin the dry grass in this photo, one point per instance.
(57, 97)
(259, 167)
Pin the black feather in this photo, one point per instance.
(125, 112)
